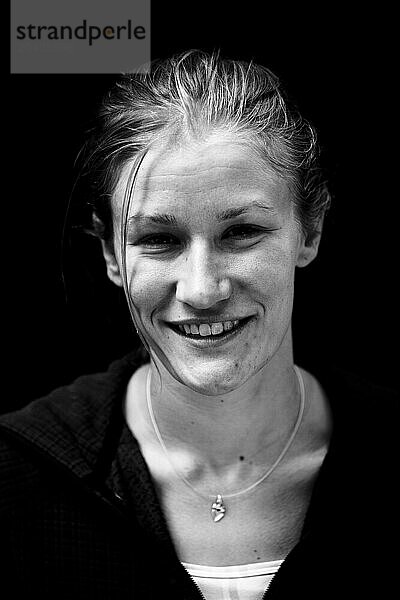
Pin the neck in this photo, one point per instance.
(244, 424)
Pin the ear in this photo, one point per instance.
(113, 270)
(309, 247)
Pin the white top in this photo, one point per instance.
(238, 582)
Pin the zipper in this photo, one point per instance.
(268, 586)
(202, 596)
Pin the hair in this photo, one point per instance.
(192, 95)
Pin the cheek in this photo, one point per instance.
(148, 285)
(272, 275)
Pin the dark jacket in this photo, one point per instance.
(80, 517)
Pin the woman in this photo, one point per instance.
(216, 467)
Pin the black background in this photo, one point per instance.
(341, 69)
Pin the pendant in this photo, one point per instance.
(218, 509)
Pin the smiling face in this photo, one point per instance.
(212, 246)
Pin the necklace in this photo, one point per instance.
(218, 507)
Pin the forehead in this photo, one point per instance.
(222, 169)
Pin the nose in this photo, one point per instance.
(201, 281)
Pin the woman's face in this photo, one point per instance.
(212, 246)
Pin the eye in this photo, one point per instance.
(242, 232)
(158, 240)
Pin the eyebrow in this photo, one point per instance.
(167, 219)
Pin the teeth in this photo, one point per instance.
(206, 329)
(217, 328)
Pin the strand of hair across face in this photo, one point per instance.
(126, 205)
(265, 475)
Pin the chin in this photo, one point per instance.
(213, 384)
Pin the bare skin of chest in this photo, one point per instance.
(263, 525)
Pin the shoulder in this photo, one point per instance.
(67, 427)
(364, 449)
(365, 417)
(354, 395)
(71, 403)
(355, 405)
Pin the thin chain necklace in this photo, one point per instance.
(218, 506)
